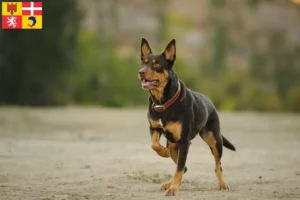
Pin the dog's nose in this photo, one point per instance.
(142, 71)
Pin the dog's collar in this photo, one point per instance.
(161, 108)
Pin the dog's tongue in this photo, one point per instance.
(146, 84)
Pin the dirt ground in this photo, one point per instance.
(99, 154)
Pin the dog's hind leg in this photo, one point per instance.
(212, 136)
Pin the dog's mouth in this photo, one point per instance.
(149, 84)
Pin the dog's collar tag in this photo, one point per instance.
(161, 108)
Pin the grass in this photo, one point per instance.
(154, 178)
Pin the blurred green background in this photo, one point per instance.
(243, 54)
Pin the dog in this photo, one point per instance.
(179, 114)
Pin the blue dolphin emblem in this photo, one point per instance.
(33, 19)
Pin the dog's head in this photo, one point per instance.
(154, 74)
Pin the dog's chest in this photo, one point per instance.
(171, 130)
(161, 124)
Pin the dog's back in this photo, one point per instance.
(202, 110)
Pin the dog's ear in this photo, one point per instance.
(145, 48)
(170, 51)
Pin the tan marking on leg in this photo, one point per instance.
(155, 124)
(177, 180)
(156, 146)
(211, 141)
(175, 129)
(166, 185)
(174, 156)
(173, 151)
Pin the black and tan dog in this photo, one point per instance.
(179, 114)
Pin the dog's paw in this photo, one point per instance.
(223, 186)
(164, 153)
(172, 190)
(166, 185)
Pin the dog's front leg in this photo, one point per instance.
(180, 169)
(156, 146)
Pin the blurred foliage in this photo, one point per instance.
(63, 64)
(101, 77)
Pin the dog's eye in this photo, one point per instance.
(146, 60)
(155, 64)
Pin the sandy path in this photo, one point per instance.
(98, 154)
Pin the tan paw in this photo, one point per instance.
(166, 185)
(171, 191)
(223, 186)
(164, 153)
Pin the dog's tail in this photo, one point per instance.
(227, 144)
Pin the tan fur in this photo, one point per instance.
(177, 180)
(174, 156)
(156, 146)
(173, 151)
(175, 129)
(155, 124)
(145, 50)
(166, 185)
(211, 141)
(163, 80)
(170, 52)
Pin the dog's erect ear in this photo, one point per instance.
(145, 48)
(170, 51)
